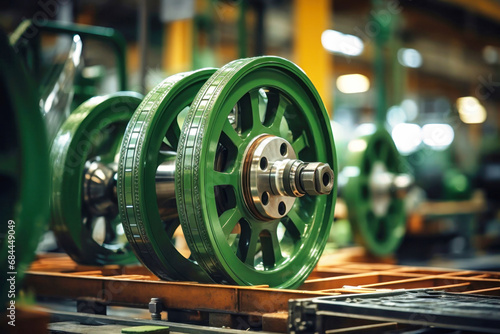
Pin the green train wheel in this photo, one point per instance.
(24, 171)
(146, 187)
(373, 192)
(85, 157)
(249, 123)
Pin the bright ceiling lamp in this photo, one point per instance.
(438, 136)
(337, 42)
(407, 137)
(470, 110)
(410, 58)
(353, 83)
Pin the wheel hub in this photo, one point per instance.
(385, 185)
(100, 188)
(272, 178)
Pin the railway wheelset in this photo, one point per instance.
(237, 164)
(242, 159)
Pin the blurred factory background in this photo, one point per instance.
(429, 71)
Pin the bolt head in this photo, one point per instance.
(324, 178)
(317, 178)
(155, 307)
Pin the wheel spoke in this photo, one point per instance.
(231, 133)
(374, 224)
(173, 135)
(394, 215)
(383, 229)
(247, 247)
(364, 208)
(300, 143)
(229, 219)
(249, 116)
(216, 178)
(294, 224)
(275, 111)
(271, 249)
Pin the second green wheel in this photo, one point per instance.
(146, 189)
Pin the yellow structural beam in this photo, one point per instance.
(177, 46)
(311, 19)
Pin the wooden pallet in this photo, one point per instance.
(57, 276)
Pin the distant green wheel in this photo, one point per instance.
(24, 171)
(246, 202)
(85, 156)
(146, 188)
(374, 192)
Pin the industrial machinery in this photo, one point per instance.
(375, 180)
(220, 153)
(84, 219)
(56, 91)
(241, 162)
(238, 169)
(375, 190)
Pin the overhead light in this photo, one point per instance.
(411, 109)
(365, 129)
(409, 58)
(337, 42)
(438, 136)
(395, 116)
(351, 171)
(353, 83)
(357, 145)
(407, 137)
(470, 110)
(490, 54)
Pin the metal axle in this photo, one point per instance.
(100, 187)
(272, 178)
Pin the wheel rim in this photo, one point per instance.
(92, 133)
(155, 127)
(380, 232)
(24, 172)
(280, 252)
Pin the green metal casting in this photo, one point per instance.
(380, 234)
(152, 138)
(275, 97)
(93, 132)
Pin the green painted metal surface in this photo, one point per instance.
(154, 129)
(381, 235)
(93, 132)
(280, 253)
